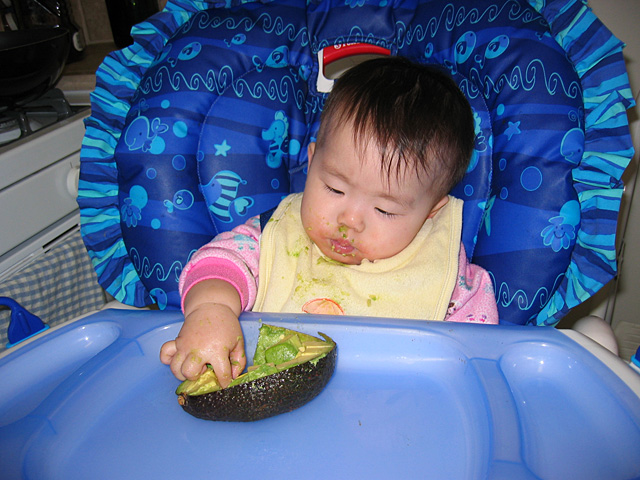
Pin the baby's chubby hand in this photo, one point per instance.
(211, 334)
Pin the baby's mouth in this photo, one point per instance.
(342, 246)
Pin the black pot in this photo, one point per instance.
(32, 61)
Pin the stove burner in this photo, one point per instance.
(27, 119)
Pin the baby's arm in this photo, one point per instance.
(210, 334)
(217, 284)
(473, 299)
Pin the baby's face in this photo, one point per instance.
(350, 210)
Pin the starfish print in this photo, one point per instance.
(222, 148)
(512, 129)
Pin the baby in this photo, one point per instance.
(375, 232)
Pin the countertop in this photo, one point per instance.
(79, 78)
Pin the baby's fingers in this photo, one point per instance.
(238, 360)
(168, 351)
(222, 369)
(193, 366)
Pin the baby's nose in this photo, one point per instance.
(352, 219)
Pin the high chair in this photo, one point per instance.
(204, 122)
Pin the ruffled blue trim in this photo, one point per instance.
(597, 57)
(117, 79)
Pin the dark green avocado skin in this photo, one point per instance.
(264, 397)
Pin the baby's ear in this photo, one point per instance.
(436, 208)
(311, 149)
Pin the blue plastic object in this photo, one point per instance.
(441, 400)
(635, 361)
(23, 324)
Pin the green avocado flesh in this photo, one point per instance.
(289, 369)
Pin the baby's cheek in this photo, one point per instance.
(380, 244)
(317, 225)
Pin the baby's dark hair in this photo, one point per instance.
(416, 115)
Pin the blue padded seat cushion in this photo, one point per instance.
(204, 121)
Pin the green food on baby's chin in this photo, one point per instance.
(287, 365)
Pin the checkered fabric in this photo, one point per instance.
(58, 286)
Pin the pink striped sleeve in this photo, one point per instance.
(473, 299)
(232, 256)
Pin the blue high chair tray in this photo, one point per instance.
(408, 399)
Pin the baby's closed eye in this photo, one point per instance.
(333, 190)
(385, 213)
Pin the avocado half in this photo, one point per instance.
(289, 369)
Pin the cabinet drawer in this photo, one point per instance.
(29, 206)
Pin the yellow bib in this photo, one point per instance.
(416, 283)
